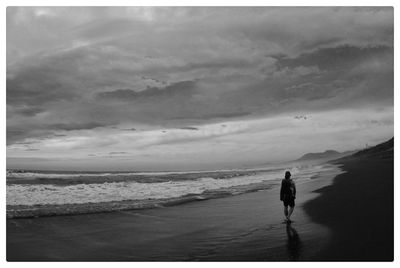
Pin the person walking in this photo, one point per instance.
(288, 195)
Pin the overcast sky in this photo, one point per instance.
(194, 88)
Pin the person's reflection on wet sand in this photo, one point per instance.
(293, 243)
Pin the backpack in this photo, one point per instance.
(288, 191)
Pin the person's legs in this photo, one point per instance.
(285, 211)
(290, 212)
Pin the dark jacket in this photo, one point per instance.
(288, 190)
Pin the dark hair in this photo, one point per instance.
(287, 174)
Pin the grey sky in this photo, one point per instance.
(176, 88)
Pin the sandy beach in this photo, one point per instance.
(342, 214)
(246, 227)
(358, 209)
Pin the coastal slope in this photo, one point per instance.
(359, 207)
(326, 156)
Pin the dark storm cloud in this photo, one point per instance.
(183, 88)
(336, 58)
(215, 64)
(36, 86)
(205, 115)
(322, 79)
(116, 153)
(189, 128)
(18, 134)
(14, 135)
(27, 110)
(99, 67)
(73, 126)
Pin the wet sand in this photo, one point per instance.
(359, 210)
(247, 227)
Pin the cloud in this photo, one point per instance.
(116, 153)
(335, 58)
(295, 72)
(183, 88)
(336, 129)
(306, 82)
(88, 77)
(342, 76)
(18, 132)
(189, 128)
(27, 110)
(73, 126)
(35, 86)
(204, 115)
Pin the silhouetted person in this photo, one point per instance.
(288, 195)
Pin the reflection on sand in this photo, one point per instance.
(293, 243)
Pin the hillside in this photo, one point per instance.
(382, 151)
(329, 154)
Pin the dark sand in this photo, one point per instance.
(358, 209)
(247, 227)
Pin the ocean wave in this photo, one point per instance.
(26, 174)
(144, 177)
(26, 211)
(40, 194)
(48, 199)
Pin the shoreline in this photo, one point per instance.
(29, 201)
(245, 227)
(24, 211)
(358, 208)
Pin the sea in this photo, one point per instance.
(50, 193)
